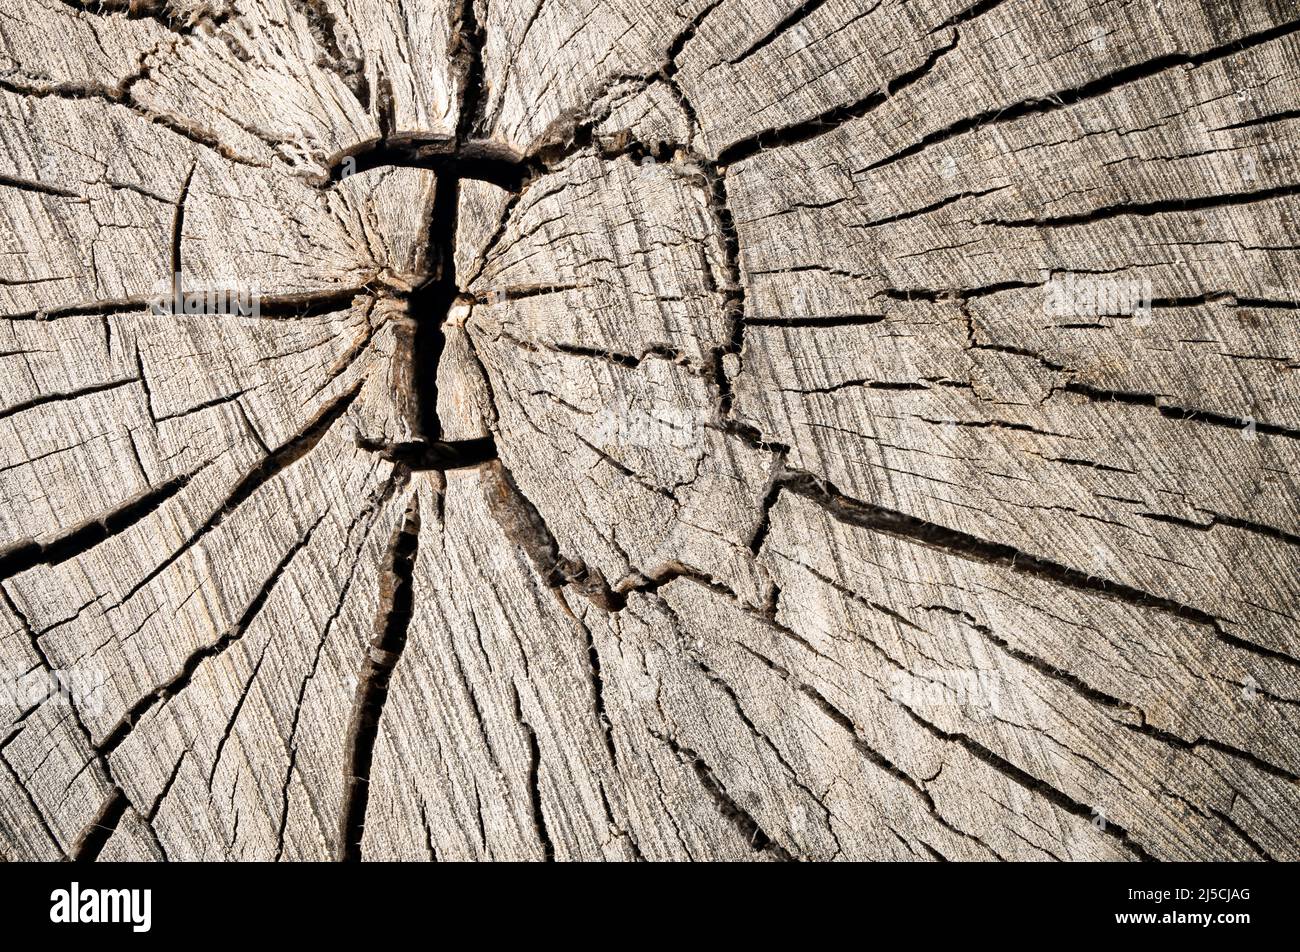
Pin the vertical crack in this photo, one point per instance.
(467, 53)
(734, 295)
(95, 837)
(430, 304)
(178, 225)
(534, 783)
(714, 174)
(396, 606)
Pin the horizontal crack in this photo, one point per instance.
(436, 454)
(479, 160)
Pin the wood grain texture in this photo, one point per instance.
(595, 430)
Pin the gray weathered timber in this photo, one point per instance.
(612, 430)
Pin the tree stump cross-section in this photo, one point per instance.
(579, 429)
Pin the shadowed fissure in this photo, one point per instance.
(396, 605)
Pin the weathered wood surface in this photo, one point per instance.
(667, 430)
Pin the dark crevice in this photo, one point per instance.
(1164, 206)
(87, 309)
(864, 383)
(627, 472)
(790, 769)
(1019, 352)
(174, 280)
(166, 787)
(668, 71)
(143, 379)
(217, 302)
(367, 516)
(770, 498)
(428, 834)
(82, 538)
(324, 31)
(964, 545)
(1063, 98)
(934, 853)
(1173, 740)
(1284, 116)
(1259, 528)
(1030, 783)
(859, 744)
(831, 119)
(35, 808)
(238, 630)
(94, 837)
(1045, 668)
(171, 15)
(733, 296)
(121, 94)
(752, 436)
(466, 154)
(823, 320)
(534, 785)
(657, 352)
(419, 456)
(220, 401)
(469, 153)
(523, 292)
(1218, 519)
(59, 397)
(1228, 298)
(476, 160)
(755, 837)
(598, 693)
(38, 188)
(430, 304)
(396, 606)
(1246, 837)
(651, 581)
(421, 335)
(970, 13)
(936, 296)
(466, 49)
(869, 516)
(927, 209)
(523, 525)
(129, 9)
(791, 19)
(233, 719)
(1156, 402)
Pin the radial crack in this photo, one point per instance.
(396, 605)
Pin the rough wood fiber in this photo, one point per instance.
(728, 430)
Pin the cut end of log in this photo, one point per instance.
(721, 431)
